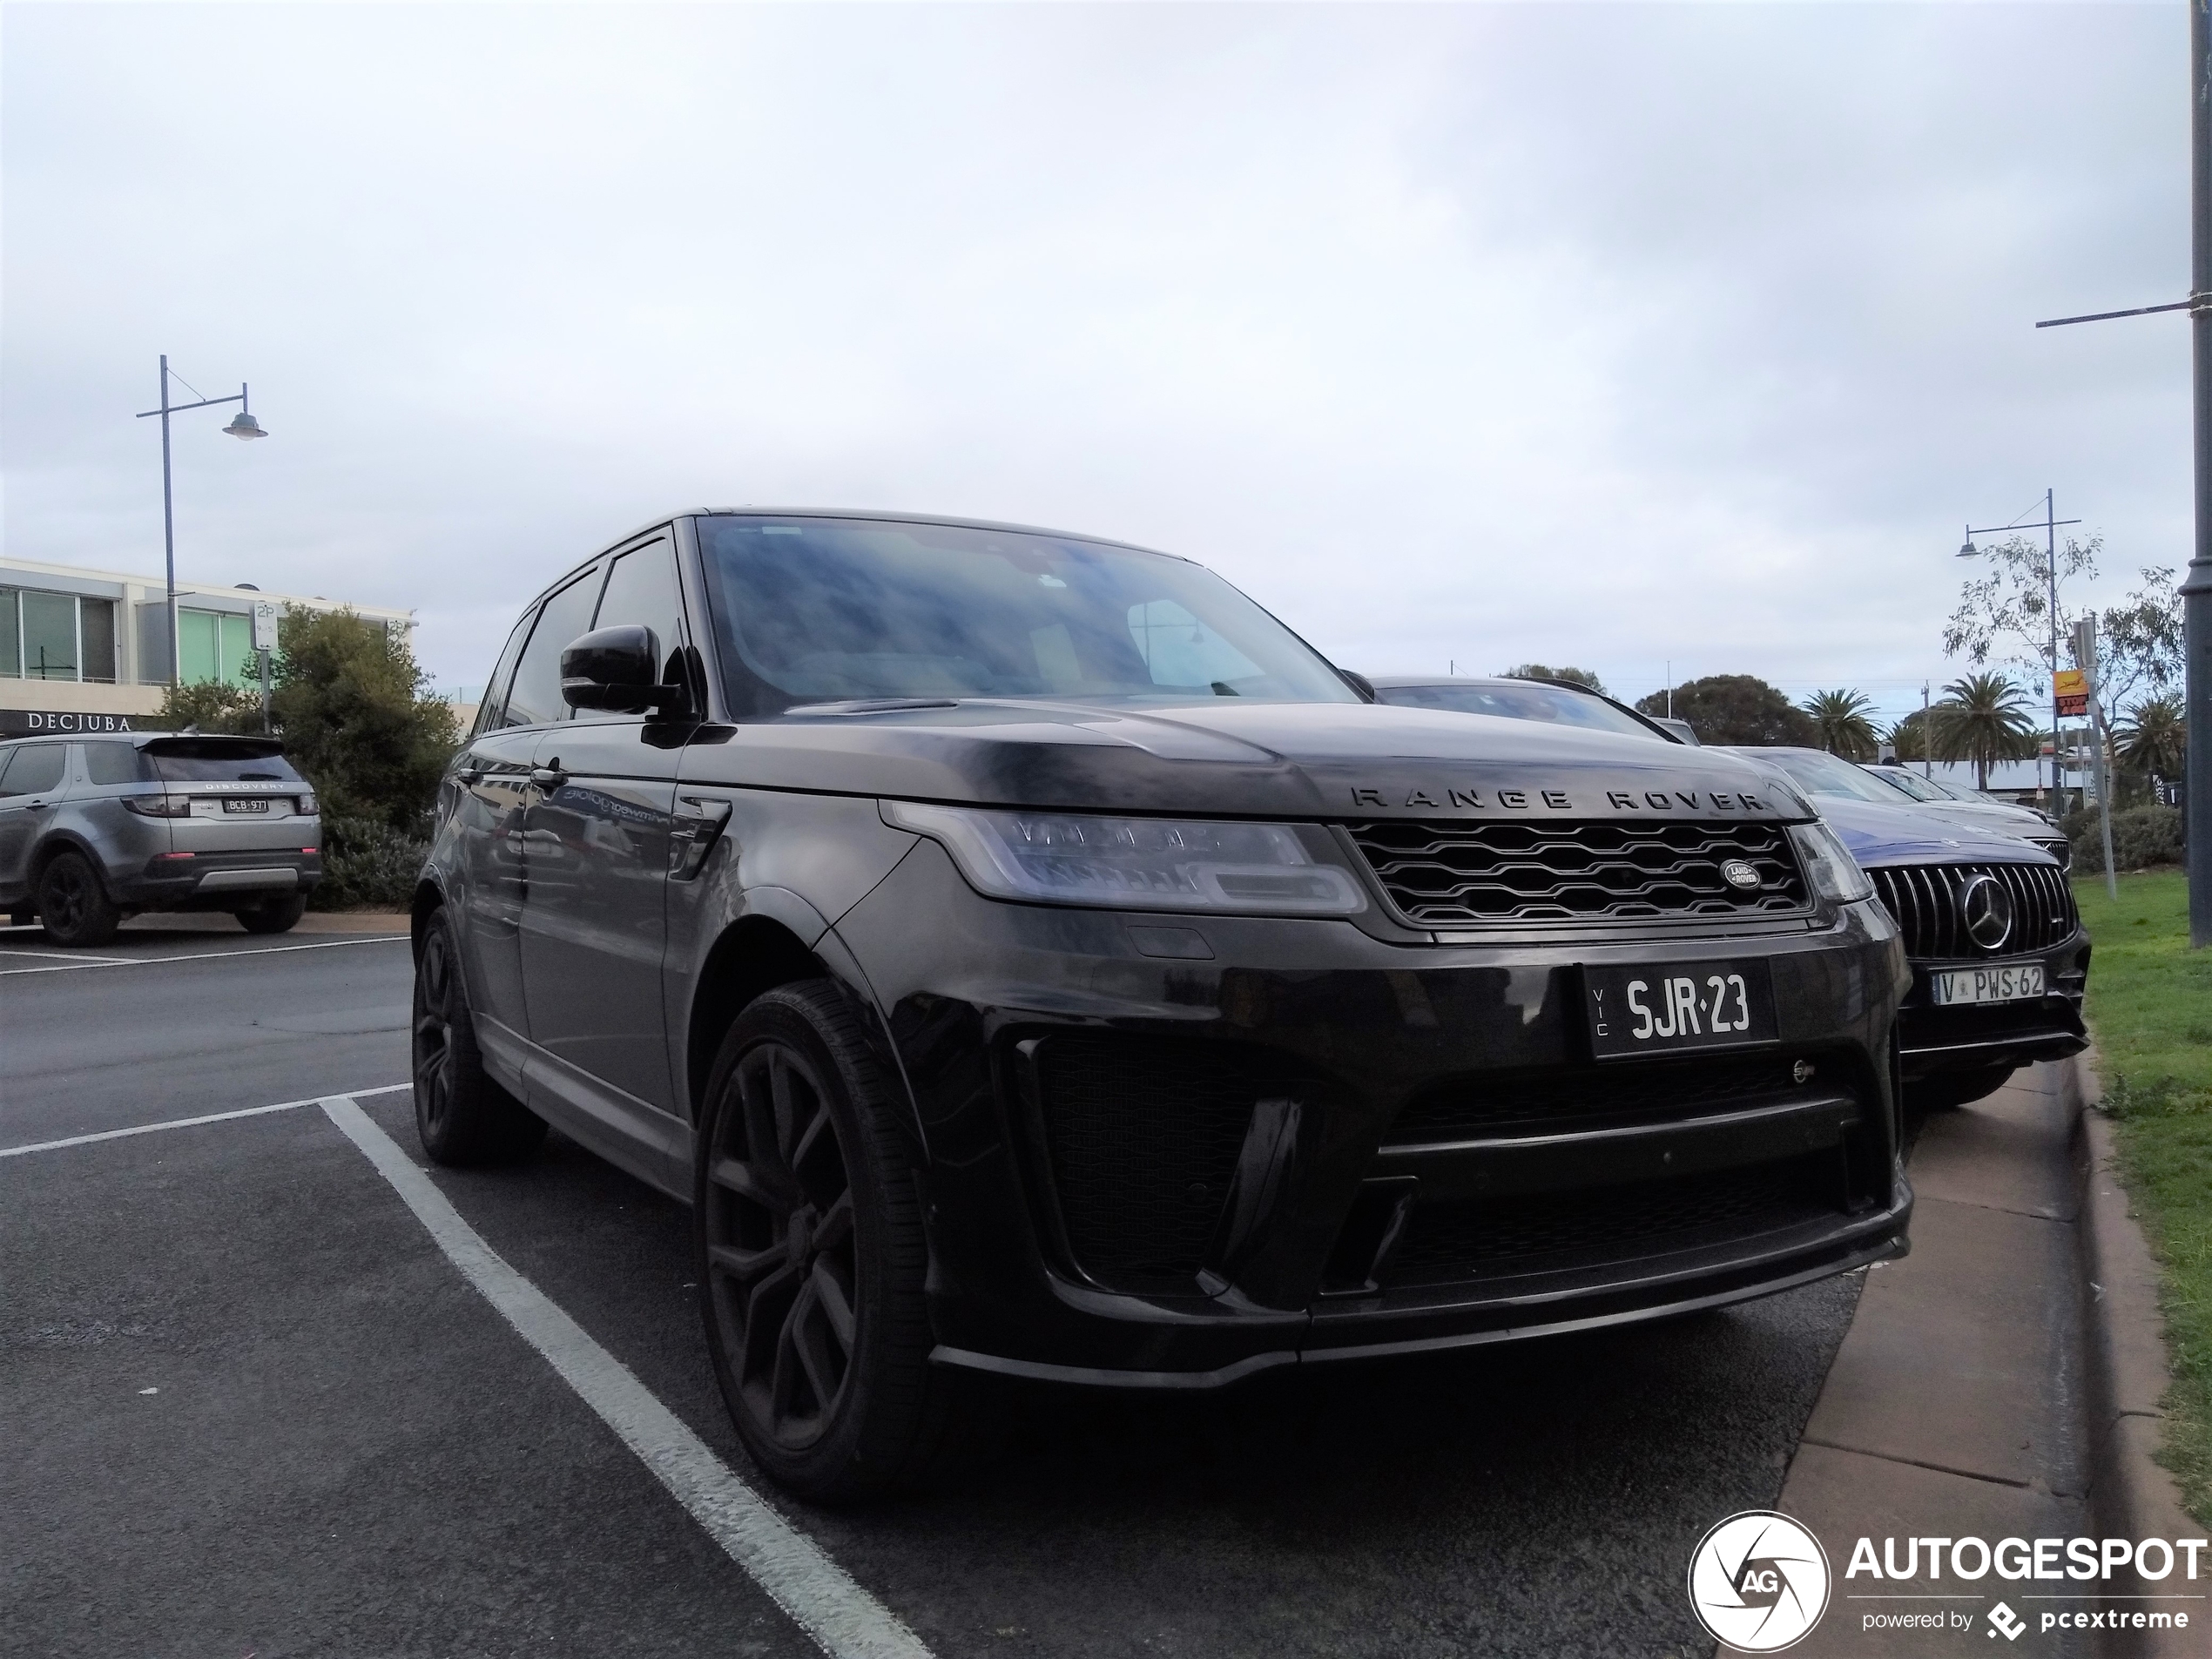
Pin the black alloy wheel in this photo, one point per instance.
(812, 1256)
(461, 1115)
(72, 905)
(781, 1245)
(274, 915)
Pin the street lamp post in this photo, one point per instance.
(2196, 585)
(2051, 574)
(242, 426)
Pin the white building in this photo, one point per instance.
(91, 650)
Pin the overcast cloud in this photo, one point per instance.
(1614, 336)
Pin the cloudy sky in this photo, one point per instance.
(1620, 336)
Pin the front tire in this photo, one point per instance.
(1946, 1090)
(274, 916)
(73, 905)
(812, 1256)
(461, 1116)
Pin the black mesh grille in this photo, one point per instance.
(1445, 875)
(1496, 1238)
(1509, 1103)
(1923, 899)
(1143, 1135)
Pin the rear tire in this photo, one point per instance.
(1948, 1090)
(73, 905)
(274, 916)
(812, 1257)
(461, 1116)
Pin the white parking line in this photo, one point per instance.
(196, 956)
(74, 956)
(844, 1620)
(187, 1122)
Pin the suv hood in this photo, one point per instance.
(1253, 760)
(1878, 835)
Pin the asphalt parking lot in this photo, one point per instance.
(254, 1408)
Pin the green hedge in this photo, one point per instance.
(2142, 836)
(366, 862)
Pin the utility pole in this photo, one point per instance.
(2196, 588)
(2196, 585)
(1927, 738)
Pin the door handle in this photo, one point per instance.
(548, 777)
(470, 774)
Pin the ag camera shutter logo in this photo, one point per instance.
(1758, 1581)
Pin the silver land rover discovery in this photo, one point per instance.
(96, 829)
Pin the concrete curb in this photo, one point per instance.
(2123, 1332)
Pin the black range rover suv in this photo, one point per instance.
(1030, 957)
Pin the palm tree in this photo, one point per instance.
(1983, 718)
(2154, 736)
(1844, 729)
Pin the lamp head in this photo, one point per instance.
(245, 426)
(1969, 550)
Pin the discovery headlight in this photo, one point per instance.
(1833, 874)
(1134, 863)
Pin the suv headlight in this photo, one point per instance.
(1134, 863)
(1833, 874)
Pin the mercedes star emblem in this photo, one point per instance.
(1986, 906)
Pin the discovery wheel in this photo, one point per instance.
(72, 905)
(812, 1256)
(461, 1115)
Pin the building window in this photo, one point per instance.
(216, 645)
(56, 636)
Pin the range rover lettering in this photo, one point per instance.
(1030, 957)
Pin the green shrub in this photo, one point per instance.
(366, 861)
(2142, 836)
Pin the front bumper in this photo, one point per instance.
(1168, 1151)
(1934, 1041)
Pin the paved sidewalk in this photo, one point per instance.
(1955, 1404)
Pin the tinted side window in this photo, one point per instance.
(36, 768)
(112, 763)
(535, 698)
(487, 716)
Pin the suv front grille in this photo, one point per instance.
(1455, 872)
(1923, 899)
(1607, 1227)
(1508, 1104)
(1141, 1134)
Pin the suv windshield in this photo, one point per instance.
(1913, 784)
(192, 761)
(1826, 774)
(1521, 700)
(831, 610)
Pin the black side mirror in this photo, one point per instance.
(1358, 683)
(617, 668)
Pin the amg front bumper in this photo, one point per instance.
(1934, 1040)
(1168, 1151)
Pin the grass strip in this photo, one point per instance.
(2150, 1008)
